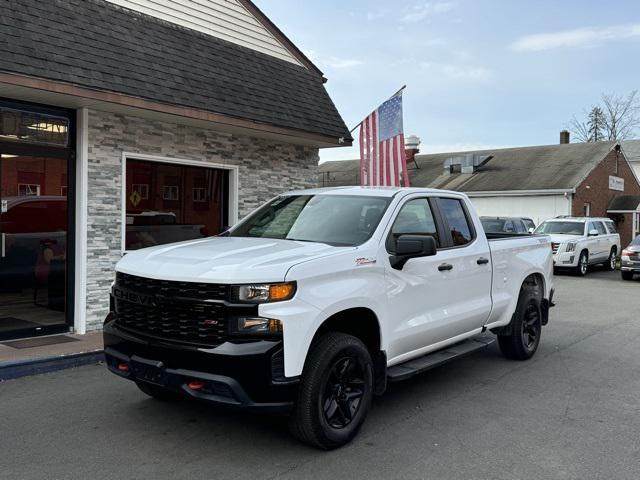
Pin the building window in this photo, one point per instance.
(199, 194)
(157, 212)
(28, 190)
(586, 209)
(142, 189)
(170, 192)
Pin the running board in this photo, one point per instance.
(418, 365)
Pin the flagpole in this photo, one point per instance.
(360, 123)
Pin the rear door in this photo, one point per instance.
(468, 266)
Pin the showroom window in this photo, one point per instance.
(167, 202)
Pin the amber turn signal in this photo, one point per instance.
(281, 291)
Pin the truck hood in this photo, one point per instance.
(223, 259)
(559, 238)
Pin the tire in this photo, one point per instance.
(583, 264)
(627, 275)
(526, 327)
(612, 262)
(157, 392)
(335, 392)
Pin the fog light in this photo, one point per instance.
(258, 325)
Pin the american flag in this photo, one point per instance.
(382, 158)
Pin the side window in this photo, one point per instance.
(611, 227)
(454, 214)
(520, 227)
(600, 228)
(415, 218)
(508, 226)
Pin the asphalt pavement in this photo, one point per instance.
(572, 412)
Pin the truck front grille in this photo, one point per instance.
(172, 311)
(554, 247)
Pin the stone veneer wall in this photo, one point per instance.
(266, 168)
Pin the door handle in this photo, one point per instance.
(482, 261)
(445, 266)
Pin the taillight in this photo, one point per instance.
(627, 253)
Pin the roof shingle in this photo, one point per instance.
(96, 44)
(547, 167)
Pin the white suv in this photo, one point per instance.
(578, 242)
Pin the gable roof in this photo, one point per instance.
(548, 167)
(101, 46)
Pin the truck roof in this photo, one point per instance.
(366, 191)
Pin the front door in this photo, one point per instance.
(34, 226)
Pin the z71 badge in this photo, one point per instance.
(365, 261)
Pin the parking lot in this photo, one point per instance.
(573, 412)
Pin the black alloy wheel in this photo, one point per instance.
(343, 391)
(335, 393)
(531, 327)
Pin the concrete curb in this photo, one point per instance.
(37, 366)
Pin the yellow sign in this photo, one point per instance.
(135, 198)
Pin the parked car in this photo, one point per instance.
(507, 224)
(578, 242)
(630, 259)
(315, 301)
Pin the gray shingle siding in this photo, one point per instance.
(266, 168)
(96, 44)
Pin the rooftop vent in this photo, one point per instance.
(468, 163)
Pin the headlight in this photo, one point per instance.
(263, 293)
(571, 247)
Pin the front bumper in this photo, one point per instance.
(248, 375)
(630, 266)
(565, 259)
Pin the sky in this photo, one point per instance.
(479, 73)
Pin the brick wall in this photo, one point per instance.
(595, 190)
(266, 168)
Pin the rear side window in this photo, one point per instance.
(456, 218)
(520, 228)
(600, 228)
(415, 218)
(611, 227)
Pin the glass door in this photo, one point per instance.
(33, 242)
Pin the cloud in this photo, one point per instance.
(459, 72)
(580, 37)
(422, 11)
(332, 62)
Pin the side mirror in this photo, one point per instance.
(531, 230)
(593, 233)
(412, 246)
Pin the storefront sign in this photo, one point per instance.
(616, 183)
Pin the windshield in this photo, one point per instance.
(563, 228)
(635, 242)
(493, 225)
(339, 220)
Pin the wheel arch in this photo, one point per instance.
(362, 323)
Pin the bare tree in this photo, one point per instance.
(579, 129)
(622, 115)
(618, 118)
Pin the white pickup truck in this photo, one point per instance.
(578, 242)
(316, 300)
